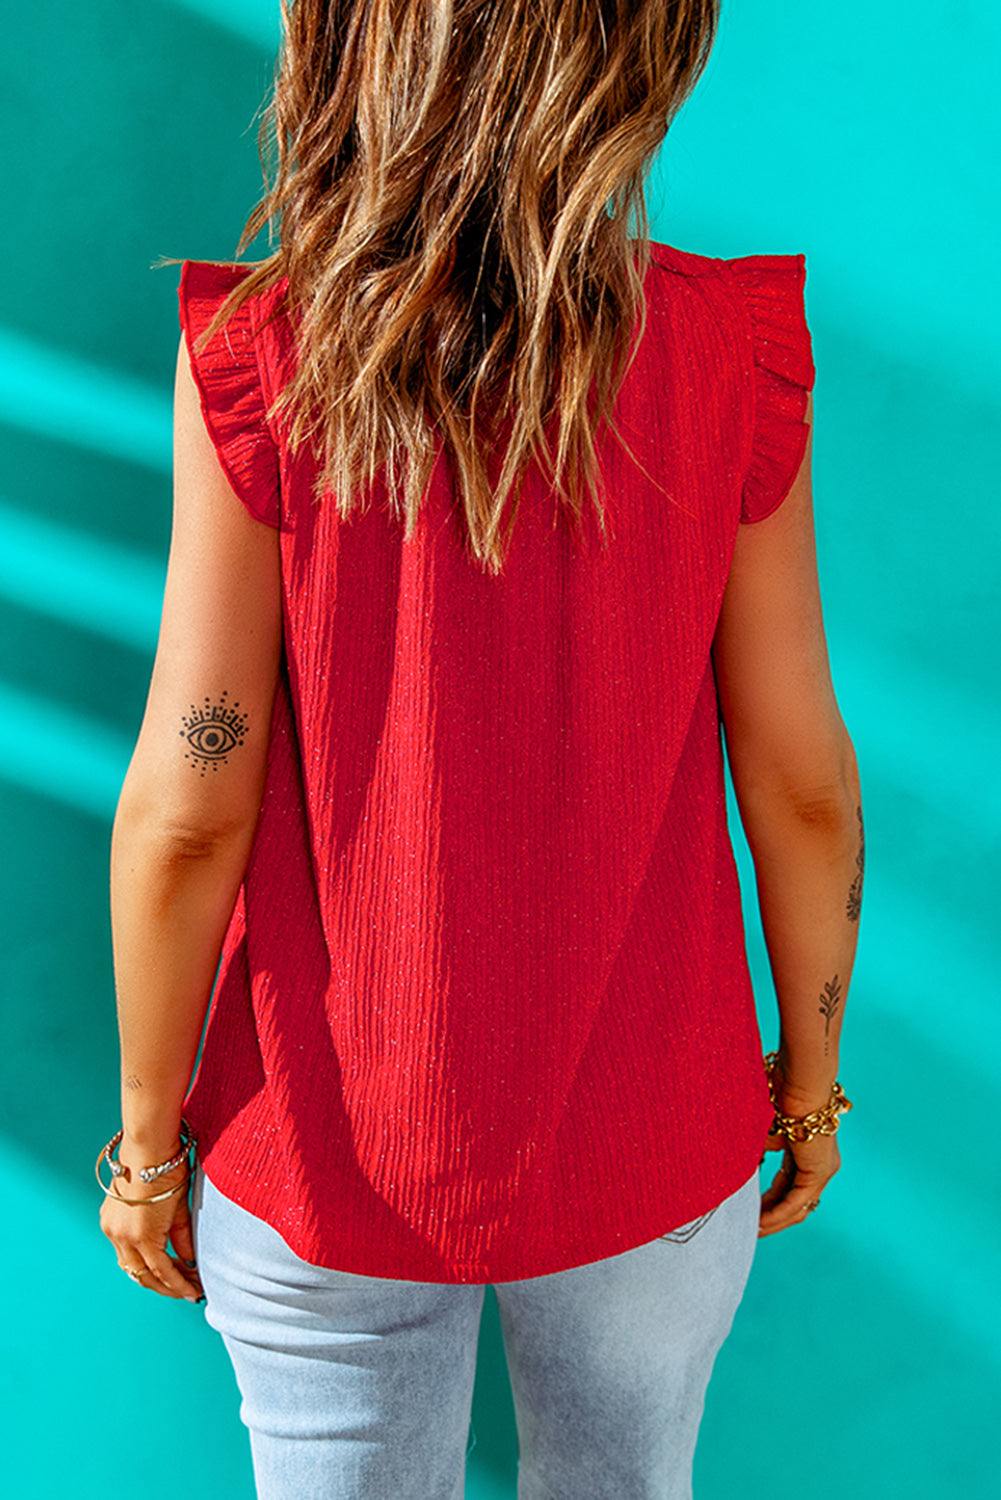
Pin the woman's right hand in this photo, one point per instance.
(140, 1233)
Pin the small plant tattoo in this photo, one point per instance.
(830, 1000)
(212, 731)
(853, 906)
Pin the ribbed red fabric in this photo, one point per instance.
(484, 1010)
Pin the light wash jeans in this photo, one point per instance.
(359, 1387)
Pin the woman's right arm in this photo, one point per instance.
(797, 787)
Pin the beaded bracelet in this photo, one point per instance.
(804, 1127)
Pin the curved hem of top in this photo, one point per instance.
(478, 1273)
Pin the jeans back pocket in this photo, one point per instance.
(688, 1231)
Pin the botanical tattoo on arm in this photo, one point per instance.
(830, 1002)
(853, 906)
(212, 732)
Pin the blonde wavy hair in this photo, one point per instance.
(453, 184)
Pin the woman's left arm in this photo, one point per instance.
(186, 817)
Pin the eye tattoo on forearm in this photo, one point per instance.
(830, 1000)
(212, 732)
(853, 906)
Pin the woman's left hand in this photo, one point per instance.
(140, 1233)
(806, 1169)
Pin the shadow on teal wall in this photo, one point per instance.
(861, 137)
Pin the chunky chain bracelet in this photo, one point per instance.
(805, 1127)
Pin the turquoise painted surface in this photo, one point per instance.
(862, 136)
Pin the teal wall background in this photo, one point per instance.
(864, 1360)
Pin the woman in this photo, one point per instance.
(432, 760)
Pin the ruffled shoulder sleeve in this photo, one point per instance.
(770, 288)
(227, 374)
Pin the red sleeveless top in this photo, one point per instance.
(483, 1011)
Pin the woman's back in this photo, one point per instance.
(494, 823)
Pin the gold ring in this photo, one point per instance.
(135, 1275)
(811, 1206)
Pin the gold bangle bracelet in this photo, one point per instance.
(136, 1202)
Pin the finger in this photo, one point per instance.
(788, 1201)
(795, 1205)
(190, 1275)
(783, 1216)
(182, 1241)
(135, 1252)
(151, 1280)
(166, 1275)
(780, 1184)
(804, 1191)
(181, 1237)
(140, 1274)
